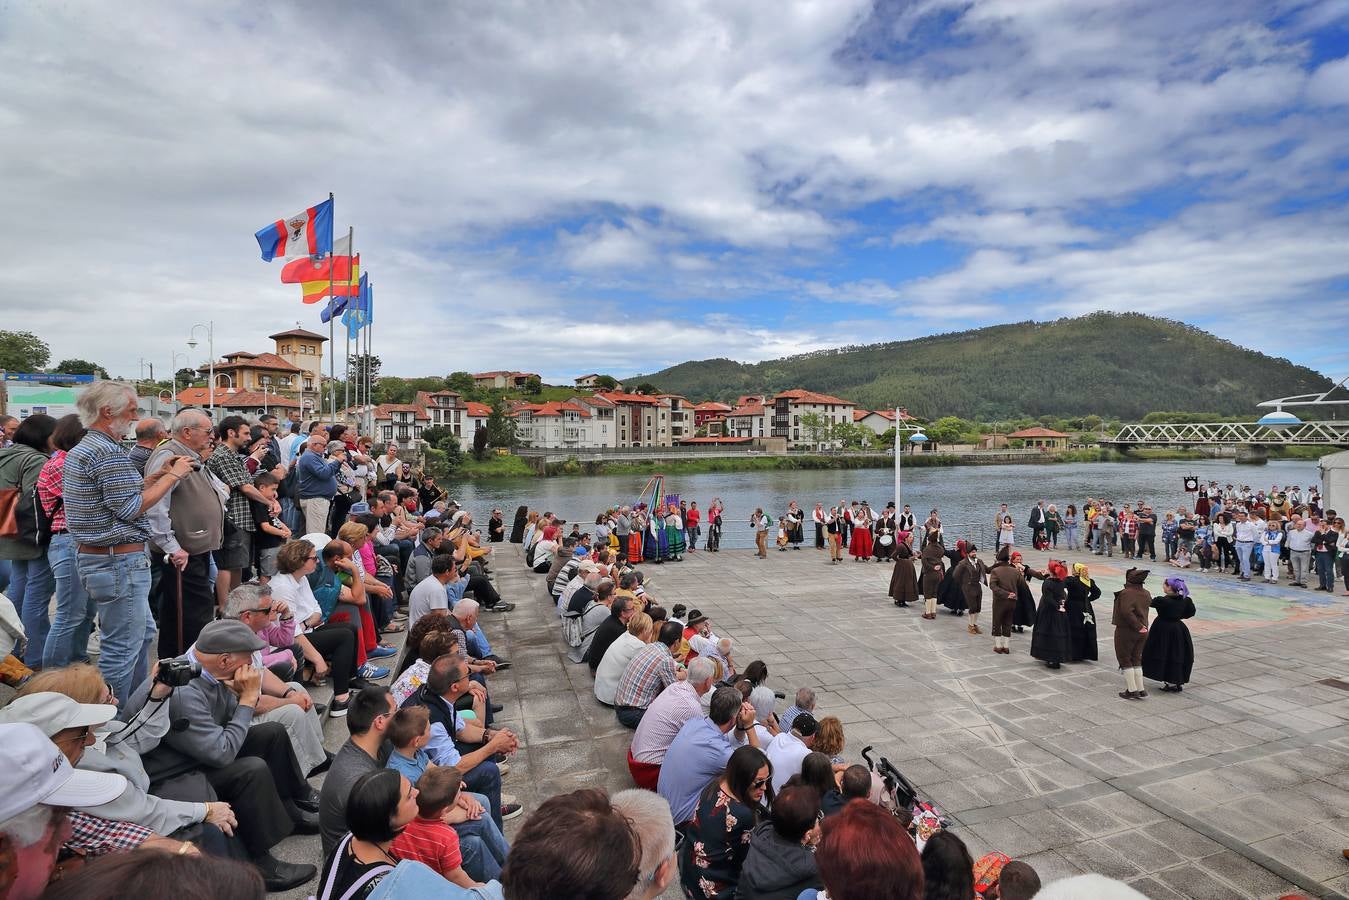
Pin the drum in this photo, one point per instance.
(886, 540)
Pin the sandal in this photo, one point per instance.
(394, 628)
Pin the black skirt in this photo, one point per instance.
(1081, 629)
(1024, 614)
(1169, 653)
(1050, 641)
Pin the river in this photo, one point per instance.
(962, 494)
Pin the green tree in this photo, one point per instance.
(80, 367)
(814, 428)
(461, 382)
(393, 390)
(357, 366)
(186, 376)
(480, 444)
(533, 386)
(500, 426)
(608, 382)
(948, 429)
(1092, 422)
(850, 435)
(23, 351)
(646, 387)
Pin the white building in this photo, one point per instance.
(603, 418)
(553, 425)
(752, 420)
(789, 407)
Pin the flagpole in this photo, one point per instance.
(346, 377)
(332, 341)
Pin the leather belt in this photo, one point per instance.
(112, 551)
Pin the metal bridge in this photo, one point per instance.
(1324, 434)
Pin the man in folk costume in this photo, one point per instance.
(1037, 523)
(905, 522)
(884, 547)
(1004, 581)
(970, 575)
(818, 518)
(1130, 619)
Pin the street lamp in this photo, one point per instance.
(210, 348)
(1278, 420)
(173, 367)
(914, 439)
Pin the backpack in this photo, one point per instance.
(22, 518)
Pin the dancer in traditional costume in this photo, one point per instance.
(674, 535)
(934, 567)
(904, 579)
(1168, 655)
(834, 527)
(1130, 619)
(860, 546)
(817, 516)
(884, 545)
(1051, 643)
(970, 575)
(1081, 615)
(949, 593)
(1004, 583)
(795, 529)
(1023, 616)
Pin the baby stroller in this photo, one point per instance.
(921, 818)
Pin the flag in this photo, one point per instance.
(306, 269)
(357, 315)
(307, 233)
(345, 283)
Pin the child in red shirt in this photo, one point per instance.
(429, 839)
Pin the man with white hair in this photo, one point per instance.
(805, 702)
(667, 714)
(317, 477)
(582, 584)
(186, 526)
(106, 500)
(649, 817)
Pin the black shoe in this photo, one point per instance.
(306, 822)
(320, 709)
(502, 664)
(339, 708)
(280, 876)
(502, 607)
(496, 708)
(325, 765)
(309, 802)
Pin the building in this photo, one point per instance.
(444, 409)
(475, 417)
(1044, 438)
(790, 407)
(603, 418)
(246, 371)
(674, 419)
(749, 420)
(638, 419)
(708, 411)
(242, 403)
(503, 380)
(400, 422)
(303, 350)
(592, 382)
(880, 420)
(552, 424)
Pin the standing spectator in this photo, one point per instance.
(8, 425)
(1147, 532)
(1053, 524)
(105, 504)
(1070, 526)
(1225, 548)
(1037, 523)
(30, 584)
(1128, 533)
(1170, 541)
(1245, 534)
(68, 639)
(1270, 542)
(1186, 527)
(388, 466)
(1104, 526)
(1323, 555)
(149, 435)
(226, 463)
(1300, 540)
(318, 480)
(692, 526)
(186, 527)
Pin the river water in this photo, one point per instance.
(962, 494)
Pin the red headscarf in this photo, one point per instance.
(960, 546)
(1058, 569)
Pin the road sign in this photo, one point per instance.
(50, 379)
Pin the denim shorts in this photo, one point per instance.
(235, 552)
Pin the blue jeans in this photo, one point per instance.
(1325, 569)
(120, 585)
(482, 844)
(291, 515)
(4, 576)
(68, 640)
(1244, 549)
(485, 779)
(30, 590)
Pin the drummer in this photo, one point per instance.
(886, 527)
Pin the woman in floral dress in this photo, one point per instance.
(718, 835)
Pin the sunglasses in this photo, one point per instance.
(758, 783)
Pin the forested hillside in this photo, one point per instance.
(1118, 366)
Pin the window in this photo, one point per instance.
(417, 432)
(388, 433)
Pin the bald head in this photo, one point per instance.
(149, 432)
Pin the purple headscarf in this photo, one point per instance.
(1178, 585)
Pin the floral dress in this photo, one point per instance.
(717, 844)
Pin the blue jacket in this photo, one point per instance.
(318, 477)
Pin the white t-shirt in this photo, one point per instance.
(295, 590)
(610, 669)
(428, 595)
(786, 752)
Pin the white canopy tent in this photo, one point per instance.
(1335, 482)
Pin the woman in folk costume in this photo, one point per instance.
(1023, 616)
(1004, 583)
(652, 534)
(714, 525)
(1051, 643)
(934, 567)
(860, 547)
(1201, 502)
(795, 531)
(949, 593)
(1130, 619)
(1081, 615)
(1168, 654)
(674, 534)
(904, 579)
(818, 516)
(970, 575)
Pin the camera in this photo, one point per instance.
(177, 672)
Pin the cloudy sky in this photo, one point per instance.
(596, 186)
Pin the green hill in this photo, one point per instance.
(1118, 366)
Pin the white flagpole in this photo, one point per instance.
(332, 343)
(346, 376)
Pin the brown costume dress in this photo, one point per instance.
(967, 575)
(934, 566)
(1004, 579)
(1132, 603)
(904, 579)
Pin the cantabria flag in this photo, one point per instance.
(307, 233)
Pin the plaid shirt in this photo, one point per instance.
(227, 465)
(102, 492)
(651, 671)
(91, 836)
(49, 490)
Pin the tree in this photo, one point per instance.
(533, 386)
(646, 387)
(849, 434)
(608, 382)
(500, 426)
(80, 367)
(393, 390)
(357, 366)
(460, 382)
(1091, 423)
(948, 429)
(815, 428)
(480, 444)
(186, 376)
(23, 351)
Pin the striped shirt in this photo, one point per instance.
(651, 671)
(667, 714)
(227, 465)
(102, 491)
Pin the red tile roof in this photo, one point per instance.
(804, 396)
(888, 414)
(1036, 432)
(195, 396)
(297, 333)
(478, 410)
(712, 406)
(255, 361)
(749, 409)
(386, 410)
(551, 409)
(618, 397)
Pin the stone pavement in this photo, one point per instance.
(1238, 787)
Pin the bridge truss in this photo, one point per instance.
(1325, 434)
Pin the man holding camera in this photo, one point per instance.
(251, 766)
(186, 526)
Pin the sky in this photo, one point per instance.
(584, 186)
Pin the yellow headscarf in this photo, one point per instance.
(1080, 570)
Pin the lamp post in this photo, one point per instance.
(210, 348)
(916, 438)
(173, 367)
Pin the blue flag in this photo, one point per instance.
(357, 314)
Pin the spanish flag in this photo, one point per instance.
(313, 276)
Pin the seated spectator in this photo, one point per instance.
(665, 717)
(270, 620)
(194, 815)
(621, 611)
(865, 854)
(37, 787)
(818, 772)
(987, 872)
(409, 733)
(574, 845)
(463, 621)
(573, 595)
(1018, 881)
(251, 767)
(436, 643)
(724, 815)
(368, 719)
(450, 833)
(700, 751)
(289, 705)
(765, 719)
(781, 859)
(651, 670)
(158, 873)
(789, 748)
(948, 868)
(854, 784)
(341, 595)
(649, 817)
(829, 739)
(452, 734)
(379, 593)
(428, 545)
(381, 805)
(579, 630)
(438, 591)
(637, 632)
(805, 702)
(1097, 887)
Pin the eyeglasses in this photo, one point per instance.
(758, 783)
(80, 737)
(261, 609)
(311, 557)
